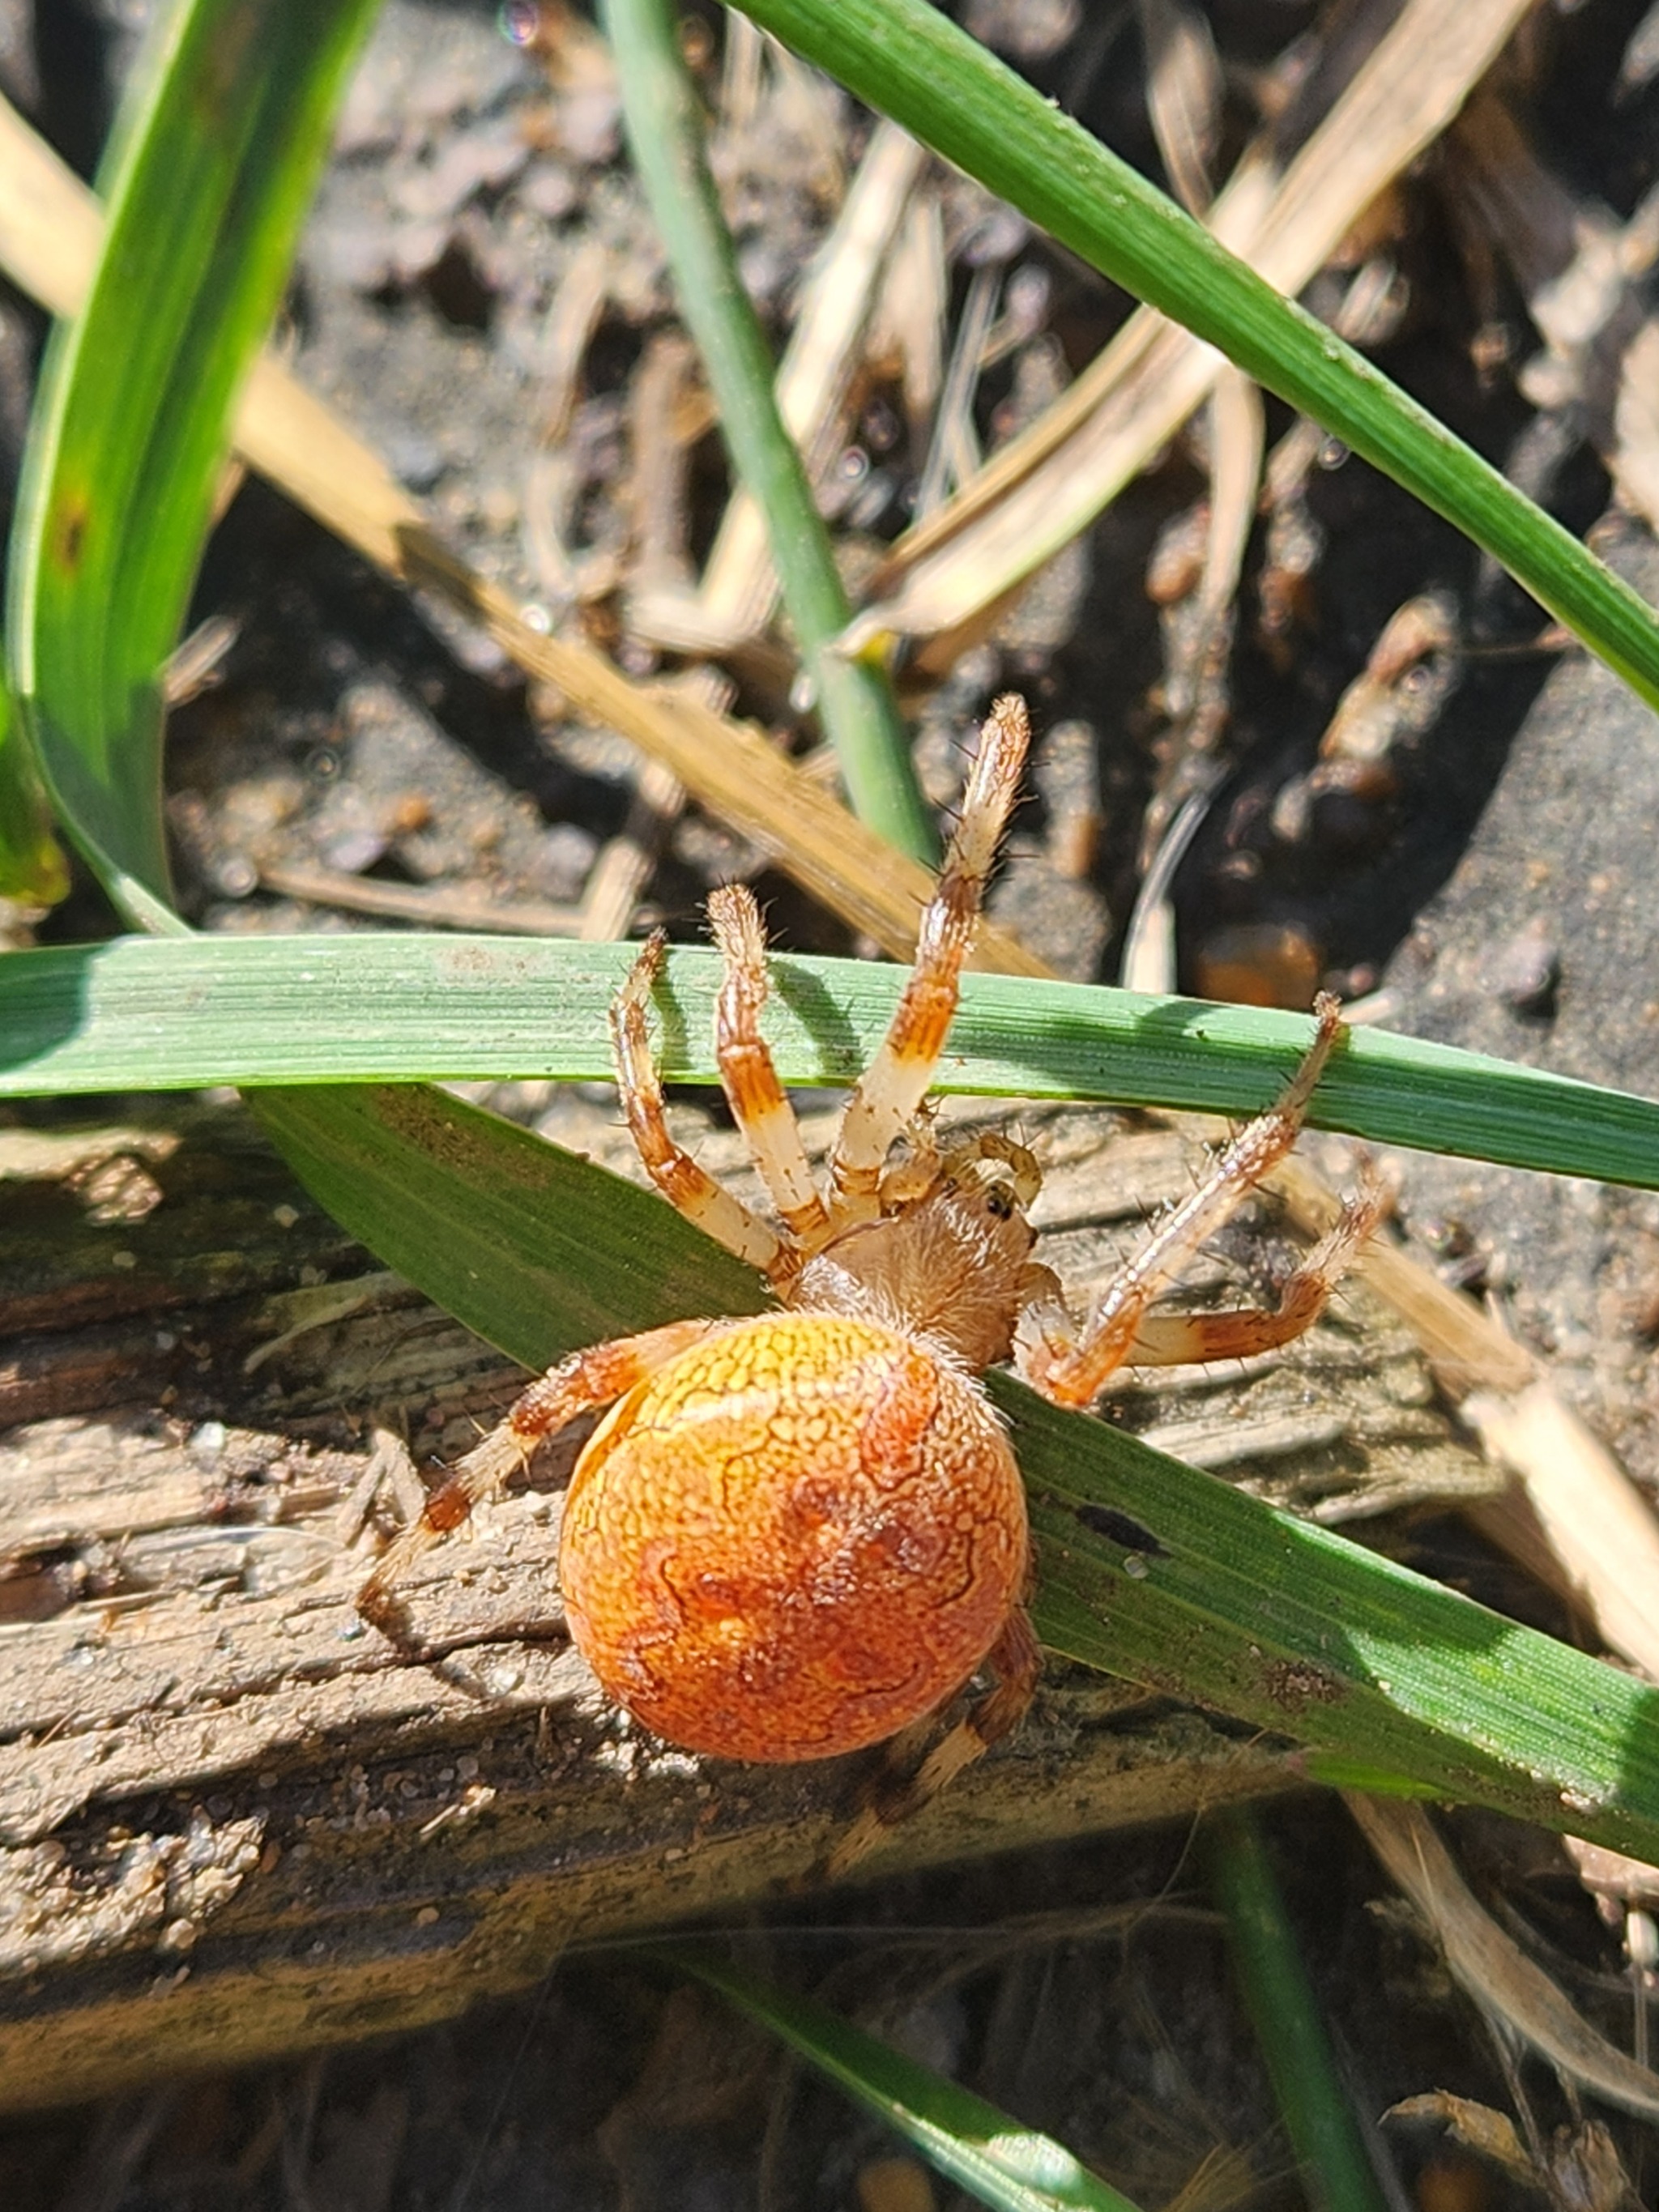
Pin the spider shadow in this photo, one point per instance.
(823, 1021)
(825, 1024)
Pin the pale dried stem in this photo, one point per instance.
(1506, 1985)
(1184, 94)
(739, 587)
(1047, 485)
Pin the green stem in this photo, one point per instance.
(854, 701)
(910, 62)
(1289, 2024)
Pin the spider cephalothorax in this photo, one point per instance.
(949, 1259)
(797, 1532)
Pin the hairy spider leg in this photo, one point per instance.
(891, 1089)
(1072, 1369)
(687, 1188)
(579, 1384)
(896, 1796)
(748, 1076)
(1189, 1340)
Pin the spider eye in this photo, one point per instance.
(1000, 1201)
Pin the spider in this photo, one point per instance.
(798, 1534)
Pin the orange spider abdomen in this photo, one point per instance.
(794, 1540)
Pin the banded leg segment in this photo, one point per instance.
(687, 1188)
(580, 1384)
(758, 1100)
(893, 1086)
(1190, 1338)
(1124, 1328)
(1017, 1664)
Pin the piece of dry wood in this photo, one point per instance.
(234, 1824)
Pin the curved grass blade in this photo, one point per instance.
(32, 868)
(144, 1015)
(982, 2148)
(539, 1251)
(216, 152)
(908, 61)
(1146, 1568)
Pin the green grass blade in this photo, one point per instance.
(906, 59)
(32, 868)
(144, 1015)
(449, 1190)
(217, 153)
(1151, 1570)
(665, 138)
(982, 2148)
(1289, 2027)
(1146, 1568)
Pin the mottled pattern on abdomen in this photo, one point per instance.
(793, 1540)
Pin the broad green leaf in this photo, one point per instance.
(983, 2149)
(137, 1014)
(909, 61)
(215, 159)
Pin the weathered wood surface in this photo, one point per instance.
(234, 1824)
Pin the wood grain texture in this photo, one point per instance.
(235, 1824)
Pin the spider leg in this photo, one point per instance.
(1190, 1339)
(687, 1188)
(758, 1103)
(1015, 1662)
(1074, 1373)
(579, 1384)
(893, 1086)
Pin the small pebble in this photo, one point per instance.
(1526, 971)
(1260, 964)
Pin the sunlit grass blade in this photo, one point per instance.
(213, 165)
(909, 61)
(982, 2148)
(537, 1250)
(143, 1015)
(1146, 1568)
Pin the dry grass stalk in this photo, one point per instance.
(1509, 1989)
(1585, 275)
(1573, 1517)
(49, 242)
(657, 486)
(1577, 1521)
(739, 588)
(909, 325)
(1046, 486)
(1184, 94)
(428, 906)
